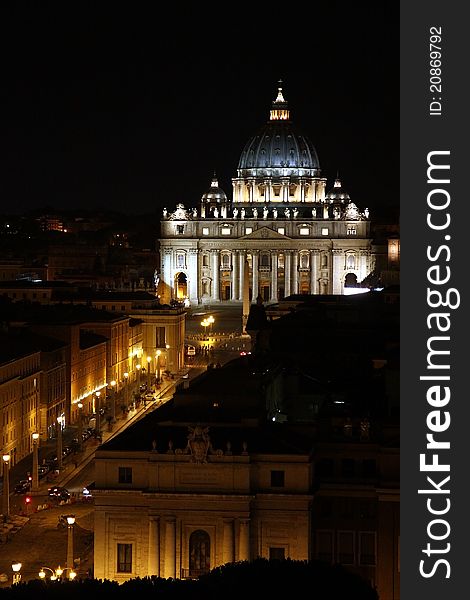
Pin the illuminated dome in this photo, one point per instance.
(279, 148)
(214, 194)
(337, 193)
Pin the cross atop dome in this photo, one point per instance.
(279, 110)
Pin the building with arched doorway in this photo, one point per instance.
(205, 480)
(298, 237)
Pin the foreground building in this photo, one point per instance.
(203, 481)
(211, 478)
(295, 236)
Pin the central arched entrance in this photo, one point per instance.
(181, 286)
(199, 553)
(350, 280)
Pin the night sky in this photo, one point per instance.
(122, 107)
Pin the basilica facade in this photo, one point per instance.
(282, 233)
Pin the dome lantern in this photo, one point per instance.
(279, 110)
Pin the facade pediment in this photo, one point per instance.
(264, 233)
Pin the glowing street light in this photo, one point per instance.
(57, 573)
(80, 425)
(113, 401)
(210, 320)
(205, 323)
(6, 487)
(16, 568)
(70, 523)
(35, 485)
(98, 412)
(126, 394)
(59, 442)
(158, 365)
(149, 360)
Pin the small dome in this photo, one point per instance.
(337, 193)
(214, 193)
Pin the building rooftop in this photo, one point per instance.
(17, 343)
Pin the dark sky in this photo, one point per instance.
(117, 105)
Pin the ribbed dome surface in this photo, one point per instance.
(278, 145)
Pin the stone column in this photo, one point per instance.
(235, 275)
(267, 190)
(287, 273)
(364, 265)
(228, 542)
(338, 271)
(241, 266)
(154, 547)
(314, 260)
(170, 548)
(199, 276)
(295, 272)
(273, 277)
(251, 190)
(302, 190)
(254, 266)
(167, 275)
(193, 276)
(215, 275)
(285, 190)
(244, 548)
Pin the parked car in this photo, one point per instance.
(23, 486)
(58, 492)
(43, 470)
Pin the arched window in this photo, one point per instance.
(205, 260)
(264, 260)
(180, 260)
(350, 262)
(226, 261)
(324, 261)
(304, 261)
(280, 261)
(199, 553)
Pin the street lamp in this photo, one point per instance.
(113, 402)
(80, 425)
(6, 487)
(70, 523)
(35, 485)
(210, 320)
(126, 379)
(158, 366)
(138, 367)
(16, 568)
(205, 324)
(98, 413)
(149, 360)
(59, 442)
(57, 573)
